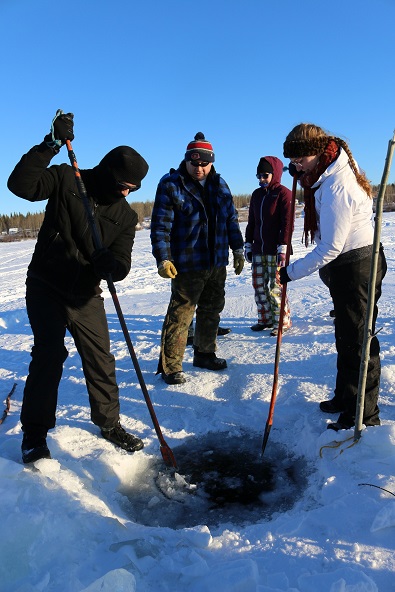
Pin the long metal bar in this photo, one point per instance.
(368, 335)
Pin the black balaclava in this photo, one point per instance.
(121, 165)
(264, 166)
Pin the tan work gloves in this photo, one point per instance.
(167, 270)
(238, 261)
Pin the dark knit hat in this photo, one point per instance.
(199, 150)
(125, 165)
(305, 147)
(264, 166)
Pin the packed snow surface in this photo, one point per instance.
(315, 512)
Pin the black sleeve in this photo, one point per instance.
(31, 179)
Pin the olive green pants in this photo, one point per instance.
(204, 291)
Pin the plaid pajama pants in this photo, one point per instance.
(268, 291)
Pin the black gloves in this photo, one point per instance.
(104, 262)
(63, 126)
(284, 277)
(61, 130)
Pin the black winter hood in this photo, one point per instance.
(122, 164)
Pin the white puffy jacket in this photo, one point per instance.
(344, 217)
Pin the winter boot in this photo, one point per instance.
(345, 422)
(331, 406)
(209, 361)
(191, 334)
(223, 330)
(118, 436)
(338, 426)
(34, 448)
(274, 333)
(174, 378)
(258, 327)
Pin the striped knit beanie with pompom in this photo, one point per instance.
(199, 150)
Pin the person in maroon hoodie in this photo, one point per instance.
(267, 234)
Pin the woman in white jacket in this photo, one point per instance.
(338, 219)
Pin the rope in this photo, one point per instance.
(337, 444)
(8, 404)
(378, 487)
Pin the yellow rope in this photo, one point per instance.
(337, 443)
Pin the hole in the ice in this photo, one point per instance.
(220, 478)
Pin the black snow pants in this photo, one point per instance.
(349, 285)
(50, 315)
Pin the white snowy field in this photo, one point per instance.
(315, 513)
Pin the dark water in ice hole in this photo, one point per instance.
(220, 478)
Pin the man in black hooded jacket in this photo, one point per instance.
(63, 280)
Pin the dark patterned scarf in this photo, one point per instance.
(307, 180)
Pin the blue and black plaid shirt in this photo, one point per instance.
(179, 223)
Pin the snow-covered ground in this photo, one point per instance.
(311, 515)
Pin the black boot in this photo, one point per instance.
(191, 334)
(260, 327)
(331, 406)
(209, 361)
(338, 426)
(344, 422)
(34, 448)
(120, 437)
(174, 378)
(223, 330)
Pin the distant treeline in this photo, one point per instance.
(29, 224)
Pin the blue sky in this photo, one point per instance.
(151, 74)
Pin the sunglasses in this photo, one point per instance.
(199, 164)
(130, 189)
(263, 175)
